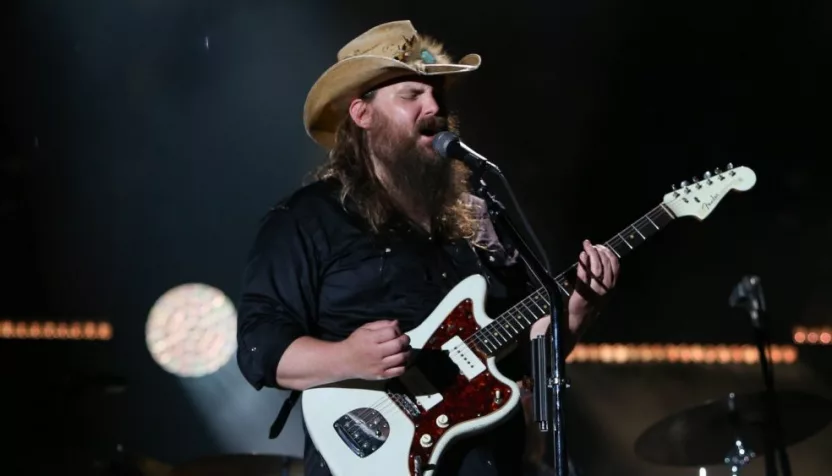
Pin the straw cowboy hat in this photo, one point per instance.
(382, 53)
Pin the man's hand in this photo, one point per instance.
(376, 351)
(597, 275)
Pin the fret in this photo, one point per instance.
(634, 236)
(639, 232)
(618, 246)
(485, 344)
(495, 332)
(664, 217)
(540, 296)
(538, 307)
(533, 315)
(624, 240)
(525, 319)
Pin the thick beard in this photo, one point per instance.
(418, 179)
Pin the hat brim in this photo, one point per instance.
(330, 96)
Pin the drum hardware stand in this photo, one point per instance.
(748, 294)
(739, 455)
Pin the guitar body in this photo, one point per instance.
(401, 427)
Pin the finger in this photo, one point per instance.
(394, 372)
(595, 264)
(386, 334)
(396, 360)
(394, 346)
(583, 266)
(607, 265)
(614, 264)
(383, 324)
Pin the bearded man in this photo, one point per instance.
(345, 266)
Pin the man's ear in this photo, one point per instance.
(361, 113)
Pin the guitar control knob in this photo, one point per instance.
(426, 440)
(442, 421)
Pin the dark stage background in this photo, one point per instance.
(143, 140)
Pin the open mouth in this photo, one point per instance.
(430, 132)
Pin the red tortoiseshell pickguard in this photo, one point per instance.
(464, 400)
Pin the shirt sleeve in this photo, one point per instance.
(278, 301)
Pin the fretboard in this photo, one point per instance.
(506, 327)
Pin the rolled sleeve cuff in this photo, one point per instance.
(260, 350)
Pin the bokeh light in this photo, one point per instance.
(191, 330)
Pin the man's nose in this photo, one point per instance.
(430, 106)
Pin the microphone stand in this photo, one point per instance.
(556, 383)
(748, 294)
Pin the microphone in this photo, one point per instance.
(448, 145)
(748, 293)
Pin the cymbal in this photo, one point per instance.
(704, 435)
(240, 465)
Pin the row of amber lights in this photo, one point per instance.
(679, 353)
(813, 335)
(50, 330)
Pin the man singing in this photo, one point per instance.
(342, 268)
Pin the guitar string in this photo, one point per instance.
(386, 402)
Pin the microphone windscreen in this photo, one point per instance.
(442, 142)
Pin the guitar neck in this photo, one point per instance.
(509, 325)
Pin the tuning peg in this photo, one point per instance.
(684, 184)
(695, 179)
(729, 166)
(707, 175)
(717, 171)
(673, 186)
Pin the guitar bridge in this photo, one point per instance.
(363, 430)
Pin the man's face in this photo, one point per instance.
(403, 119)
(408, 114)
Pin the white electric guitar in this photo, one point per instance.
(401, 426)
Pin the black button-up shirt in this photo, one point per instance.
(316, 269)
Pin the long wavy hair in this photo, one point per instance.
(350, 163)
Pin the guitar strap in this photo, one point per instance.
(285, 410)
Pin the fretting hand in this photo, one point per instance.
(597, 274)
(596, 277)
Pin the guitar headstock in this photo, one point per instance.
(700, 197)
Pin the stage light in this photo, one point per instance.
(702, 354)
(49, 330)
(192, 330)
(812, 335)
